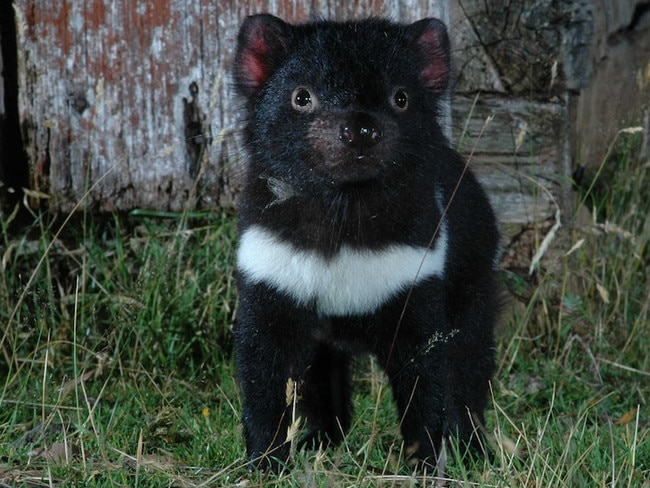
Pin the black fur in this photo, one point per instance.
(345, 152)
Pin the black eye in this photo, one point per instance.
(400, 99)
(302, 99)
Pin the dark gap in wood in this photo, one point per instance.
(14, 171)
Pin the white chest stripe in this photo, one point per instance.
(352, 282)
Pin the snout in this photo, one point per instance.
(360, 132)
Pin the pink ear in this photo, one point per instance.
(262, 44)
(431, 41)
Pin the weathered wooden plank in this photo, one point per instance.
(88, 104)
(520, 150)
(593, 54)
(535, 49)
(129, 103)
(618, 92)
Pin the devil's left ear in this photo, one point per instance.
(430, 40)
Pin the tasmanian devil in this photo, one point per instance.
(361, 230)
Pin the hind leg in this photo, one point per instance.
(326, 398)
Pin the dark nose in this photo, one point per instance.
(360, 131)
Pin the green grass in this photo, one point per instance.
(115, 347)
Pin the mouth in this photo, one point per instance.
(356, 169)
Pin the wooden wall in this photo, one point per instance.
(129, 104)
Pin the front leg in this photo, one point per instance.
(440, 361)
(273, 345)
(417, 379)
(471, 365)
(412, 351)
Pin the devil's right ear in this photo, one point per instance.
(262, 45)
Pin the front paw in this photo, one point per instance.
(273, 461)
(427, 460)
(317, 439)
